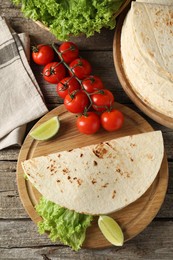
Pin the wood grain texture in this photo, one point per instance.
(154, 243)
(19, 236)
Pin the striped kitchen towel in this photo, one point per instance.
(21, 99)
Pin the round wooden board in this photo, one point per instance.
(158, 117)
(135, 217)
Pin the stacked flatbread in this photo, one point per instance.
(98, 179)
(147, 52)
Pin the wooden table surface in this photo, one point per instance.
(19, 238)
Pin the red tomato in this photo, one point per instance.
(76, 102)
(66, 86)
(54, 72)
(92, 84)
(42, 54)
(80, 67)
(102, 100)
(69, 51)
(112, 120)
(89, 123)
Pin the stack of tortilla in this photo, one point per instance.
(147, 52)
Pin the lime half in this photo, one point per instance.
(111, 230)
(46, 130)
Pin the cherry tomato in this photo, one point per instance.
(69, 51)
(112, 120)
(66, 86)
(42, 54)
(102, 100)
(92, 84)
(89, 123)
(54, 72)
(76, 102)
(80, 67)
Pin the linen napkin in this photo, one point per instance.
(21, 100)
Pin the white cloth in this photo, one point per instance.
(21, 100)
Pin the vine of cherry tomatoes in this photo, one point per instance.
(82, 92)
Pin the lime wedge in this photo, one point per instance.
(111, 230)
(46, 130)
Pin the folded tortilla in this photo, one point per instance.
(146, 57)
(98, 179)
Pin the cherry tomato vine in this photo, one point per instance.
(83, 93)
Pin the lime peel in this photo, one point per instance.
(111, 230)
(46, 130)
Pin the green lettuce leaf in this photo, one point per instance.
(62, 224)
(72, 17)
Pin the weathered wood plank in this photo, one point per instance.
(11, 206)
(130, 251)
(9, 154)
(10, 203)
(144, 246)
(19, 236)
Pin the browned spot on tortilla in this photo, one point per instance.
(61, 191)
(105, 185)
(109, 145)
(59, 155)
(65, 170)
(52, 168)
(58, 181)
(119, 171)
(95, 163)
(69, 178)
(100, 151)
(79, 181)
(151, 54)
(132, 145)
(131, 159)
(81, 155)
(70, 150)
(113, 194)
(75, 178)
(94, 181)
(127, 174)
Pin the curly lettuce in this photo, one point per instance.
(62, 224)
(72, 17)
